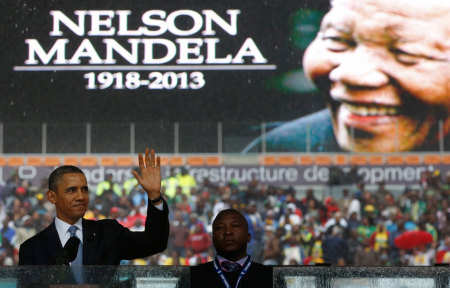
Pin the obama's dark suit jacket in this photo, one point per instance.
(105, 242)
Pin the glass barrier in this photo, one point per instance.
(178, 277)
(122, 276)
(361, 277)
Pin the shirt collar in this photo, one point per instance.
(63, 227)
(240, 261)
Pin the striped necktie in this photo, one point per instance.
(79, 259)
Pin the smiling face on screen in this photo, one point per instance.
(385, 70)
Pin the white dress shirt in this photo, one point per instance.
(63, 230)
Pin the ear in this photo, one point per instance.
(51, 196)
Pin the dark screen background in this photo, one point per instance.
(280, 29)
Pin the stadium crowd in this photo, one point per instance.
(359, 228)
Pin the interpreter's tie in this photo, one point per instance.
(230, 266)
(79, 259)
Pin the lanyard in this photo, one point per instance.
(222, 276)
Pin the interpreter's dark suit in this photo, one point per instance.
(205, 275)
(105, 242)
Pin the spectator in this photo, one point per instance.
(184, 205)
(366, 255)
(8, 235)
(139, 198)
(331, 207)
(379, 238)
(186, 181)
(199, 241)
(138, 226)
(334, 246)
(25, 230)
(354, 207)
(255, 228)
(170, 184)
(130, 184)
(179, 232)
(353, 246)
(353, 222)
(8, 192)
(344, 202)
(272, 254)
(422, 255)
(443, 252)
(108, 184)
(293, 251)
(108, 200)
(414, 206)
(337, 221)
(291, 217)
(366, 229)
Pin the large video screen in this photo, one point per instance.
(345, 75)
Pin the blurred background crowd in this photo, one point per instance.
(349, 226)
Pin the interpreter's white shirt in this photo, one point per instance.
(240, 261)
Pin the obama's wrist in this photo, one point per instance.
(156, 199)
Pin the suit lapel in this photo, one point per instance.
(51, 241)
(89, 240)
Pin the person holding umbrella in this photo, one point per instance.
(417, 241)
(421, 256)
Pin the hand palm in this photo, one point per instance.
(150, 177)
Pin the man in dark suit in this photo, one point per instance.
(103, 242)
(232, 267)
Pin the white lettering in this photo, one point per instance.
(58, 17)
(149, 57)
(27, 172)
(97, 22)
(291, 175)
(249, 49)
(112, 45)
(409, 174)
(211, 16)
(34, 48)
(123, 24)
(86, 50)
(186, 50)
(211, 52)
(196, 17)
(147, 19)
(189, 52)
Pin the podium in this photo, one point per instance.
(361, 277)
(178, 277)
(123, 276)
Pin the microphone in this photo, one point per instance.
(69, 252)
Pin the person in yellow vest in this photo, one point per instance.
(317, 252)
(108, 184)
(379, 238)
(170, 184)
(186, 181)
(131, 183)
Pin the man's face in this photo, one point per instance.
(230, 236)
(71, 197)
(384, 67)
